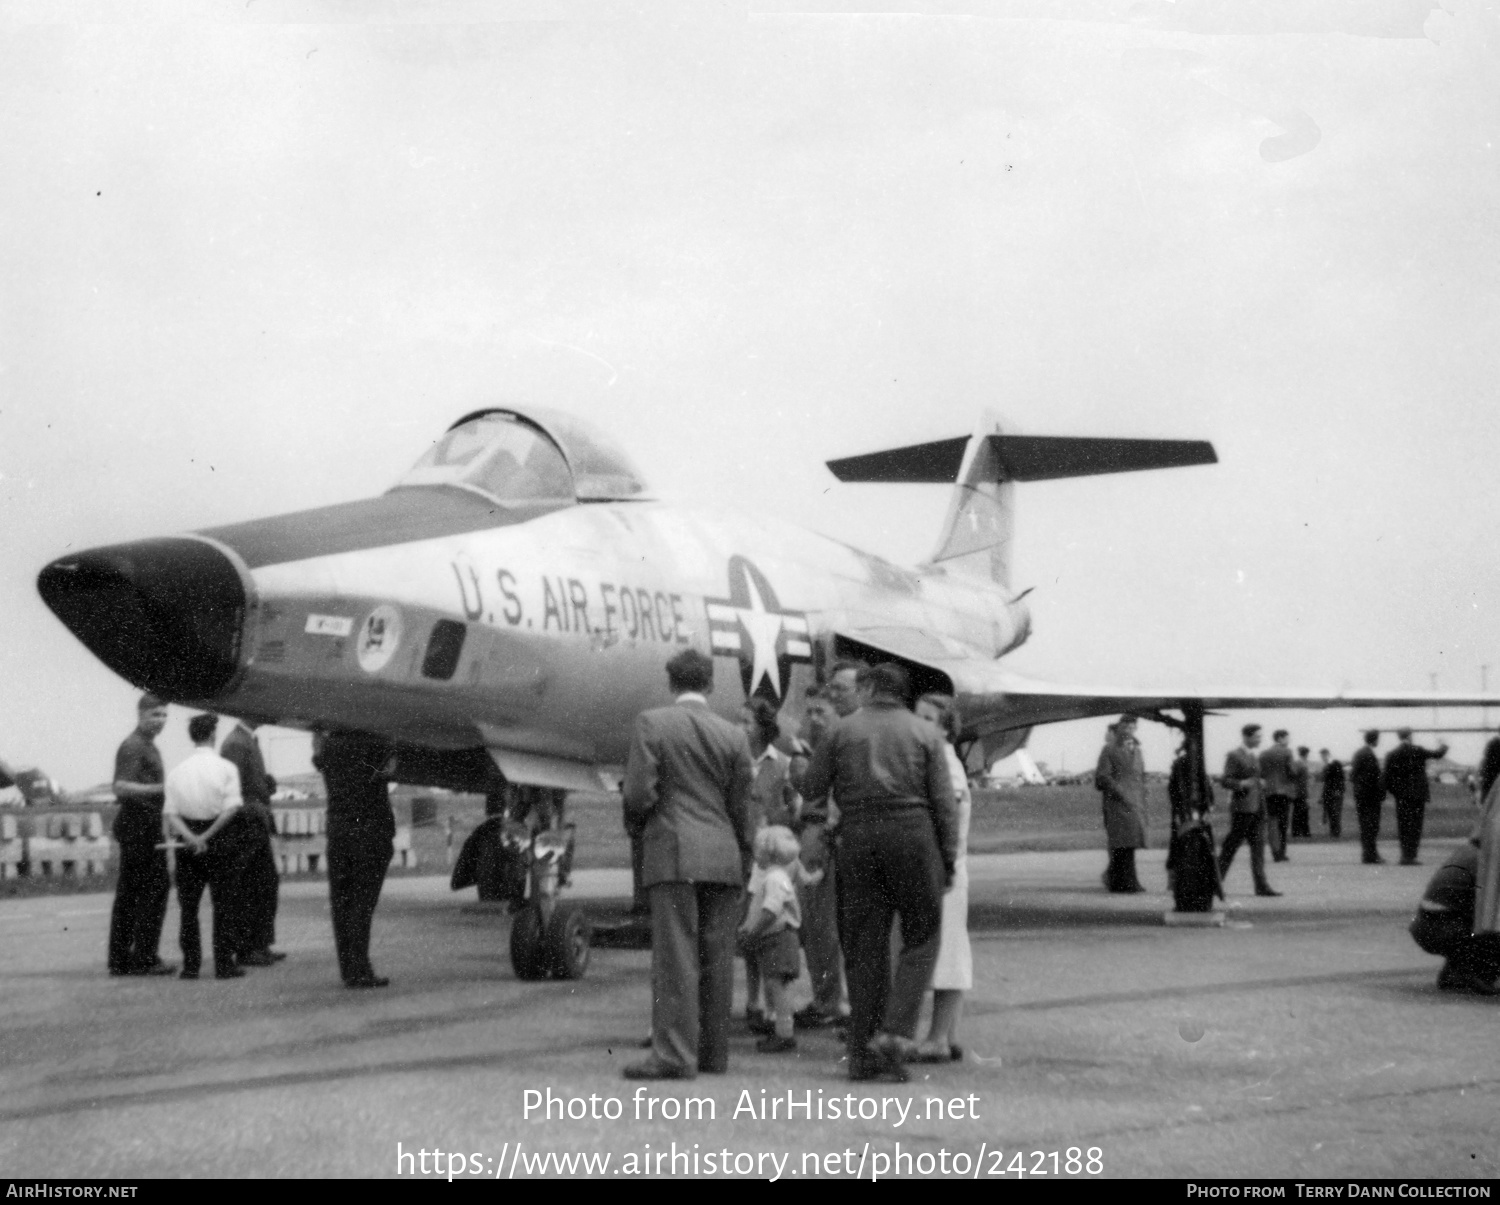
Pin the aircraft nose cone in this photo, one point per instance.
(166, 615)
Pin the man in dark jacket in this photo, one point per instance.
(1444, 926)
(687, 801)
(896, 848)
(1333, 793)
(361, 841)
(1368, 785)
(1406, 780)
(259, 885)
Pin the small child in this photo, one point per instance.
(769, 935)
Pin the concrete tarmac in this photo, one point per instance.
(1305, 1039)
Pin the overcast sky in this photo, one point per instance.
(253, 266)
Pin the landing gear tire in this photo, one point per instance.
(568, 942)
(530, 957)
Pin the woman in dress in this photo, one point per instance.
(953, 975)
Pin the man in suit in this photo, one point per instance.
(1369, 794)
(1406, 780)
(896, 850)
(1333, 793)
(258, 883)
(1247, 809)
(687, 801)
(1279, 782)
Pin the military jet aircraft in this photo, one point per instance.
(507, 607)
(511, 602)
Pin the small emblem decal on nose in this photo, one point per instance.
(378, 637)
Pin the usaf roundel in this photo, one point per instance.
(753, 627)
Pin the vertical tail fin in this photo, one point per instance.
(976, 535)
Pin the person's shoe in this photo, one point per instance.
(951, 1053)
(368, 981)
(758, 1023)
(654, 1068)
(229, 973)
(186, 974)
(257, 958)
(1267, 891)
(276, 955)
(713, 1068)
(772, 1044)
(1450, 980)
(892, 1046)
(1410, 862)
(813, 1017)
(873, 1067)
(157, 968)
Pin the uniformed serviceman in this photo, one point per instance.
(361, 842)
(143, 885)
(896, 848)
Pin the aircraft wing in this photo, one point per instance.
(995, 699)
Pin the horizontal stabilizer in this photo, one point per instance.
(1046, 457)
(1025, 458)
(934, 463)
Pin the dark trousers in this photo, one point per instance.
(357, 863)
(692, 972)
(1448, 935)
(820, 941)
(259, 886)
(1410, 813)
(1367, 810)
(1278, 811)
(216, 868)
(140, 905)
(1121, 875)
(1301, 817)
(1245, 827)
(889, 866)
(1333, 814)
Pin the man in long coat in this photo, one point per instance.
(1121, 778)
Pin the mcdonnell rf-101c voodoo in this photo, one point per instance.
(506, 609)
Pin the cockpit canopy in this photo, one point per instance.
(536, 456)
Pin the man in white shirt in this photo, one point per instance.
(203, 796)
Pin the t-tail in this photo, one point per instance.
(984, 469)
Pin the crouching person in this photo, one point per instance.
(1444, 926)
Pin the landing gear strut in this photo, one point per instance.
(523, 854)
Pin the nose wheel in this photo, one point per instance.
(549, 938)
(556, 947)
